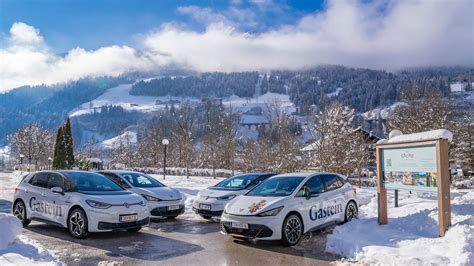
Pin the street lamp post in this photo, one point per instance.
(165, 143)
(21, 162)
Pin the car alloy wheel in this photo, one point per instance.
(78, 224)
(19, 210)
(351, 211)
(293, 229)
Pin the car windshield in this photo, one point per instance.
(280, 186)
(84, 182)
(141, 180)
(237, 182)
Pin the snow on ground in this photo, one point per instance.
(15, 248)
(411, 235)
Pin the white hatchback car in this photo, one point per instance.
(81, 201)
(162, 201)
(286, 206)
(210, 201)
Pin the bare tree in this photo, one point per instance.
(422, 111)
(124, 151)
(337, 149)
(182, 132)
(34, 142)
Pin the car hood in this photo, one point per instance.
(250, 205)
(163, 193)
(215, 193)
(114, 199)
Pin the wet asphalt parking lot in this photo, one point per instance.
(187, 240)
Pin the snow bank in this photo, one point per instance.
(16, 249)
(10, 227)
(421, 136)
(411, 235)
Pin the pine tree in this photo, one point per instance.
(59, 160)
(68, 144)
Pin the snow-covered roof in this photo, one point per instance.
(421, 136)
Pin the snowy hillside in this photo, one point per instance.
(126, 137)
(121, 96)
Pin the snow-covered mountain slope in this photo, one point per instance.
(127, 137)
(120, 95)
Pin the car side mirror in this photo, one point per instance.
(58, 190)
(307, 192)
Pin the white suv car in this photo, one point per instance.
(286, 206)
(81, 201)
(162, 201)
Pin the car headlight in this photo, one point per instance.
(272, 212)
(98, 204)
(150, 198)
(227, 197)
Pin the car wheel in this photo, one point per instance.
(19, 211)
(207, 217)
(77, 224)
(292, 230)
(351, 211)
(134, 230)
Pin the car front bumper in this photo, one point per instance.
(161, 209)
(216, 206)
(260, 228)
(101, 220)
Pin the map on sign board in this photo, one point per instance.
(412, 168)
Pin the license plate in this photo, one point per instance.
(128, 218)
(205, 207)
(173, 207)
(240, 225)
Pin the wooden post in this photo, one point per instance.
(381, 191)
(396, 198)
(443, 183)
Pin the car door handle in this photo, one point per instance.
(43, 194)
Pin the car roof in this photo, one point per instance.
(119, 171)
(305, 174)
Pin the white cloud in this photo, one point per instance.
(406, 34)
(21, 33)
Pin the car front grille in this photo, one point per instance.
(254, 231)
(120, 226)
(207, 212)
(164, 212)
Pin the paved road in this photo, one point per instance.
(185, 241)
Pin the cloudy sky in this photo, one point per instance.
(47, 42)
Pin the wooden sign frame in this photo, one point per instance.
(442, 178)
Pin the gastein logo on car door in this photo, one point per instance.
(316, 213)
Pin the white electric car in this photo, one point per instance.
(286, 206)
(210, 202)
(81, 201)
(162, 201)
